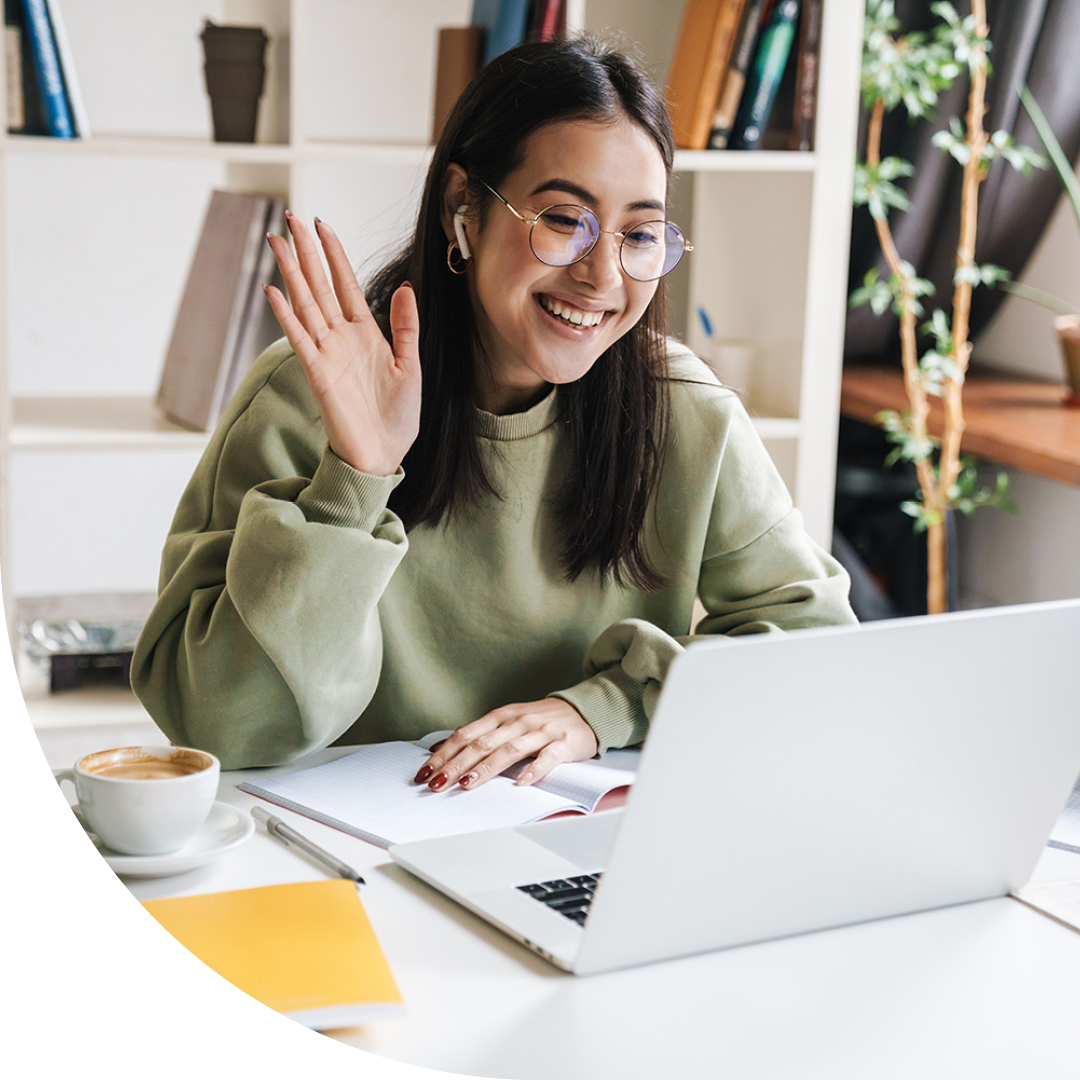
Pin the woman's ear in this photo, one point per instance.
(455, 197)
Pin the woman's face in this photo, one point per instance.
(617, 172)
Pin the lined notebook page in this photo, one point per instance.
(371, 794)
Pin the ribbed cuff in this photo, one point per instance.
(611, 703)
(340, 495)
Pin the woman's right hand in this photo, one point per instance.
(367, 391)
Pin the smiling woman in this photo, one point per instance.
(485, 495)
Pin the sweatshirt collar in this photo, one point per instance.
(522, 425)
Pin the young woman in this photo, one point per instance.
(484, 496)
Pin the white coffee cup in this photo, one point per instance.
(144, 800)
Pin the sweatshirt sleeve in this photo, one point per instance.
(265, 643)
(759, 573)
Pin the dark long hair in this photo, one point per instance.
(616, 415)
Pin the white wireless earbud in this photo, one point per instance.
(459, 232)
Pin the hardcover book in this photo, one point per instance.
(458, 61)
(47, 71)
(806, 77)
(212, 343)
(765, 77)
(702, 53)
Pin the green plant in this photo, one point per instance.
(909, 71)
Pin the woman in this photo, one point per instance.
(490, 506)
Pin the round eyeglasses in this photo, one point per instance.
(563, 235)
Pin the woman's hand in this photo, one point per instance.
(550, 730)
(368, 393)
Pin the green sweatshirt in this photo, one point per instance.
(294, 611)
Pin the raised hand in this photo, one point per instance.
(368, 393)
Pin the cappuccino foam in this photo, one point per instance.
(135, 763)
(146, 770)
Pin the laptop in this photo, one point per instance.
(793, 783)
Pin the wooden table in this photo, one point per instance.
(1014, 421)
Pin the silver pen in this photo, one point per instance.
(290, 837)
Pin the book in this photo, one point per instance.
(548, 20)
(702, 53)
(47, 70)
(806, 76)
(258, 324)
(780, 129)
(458, 60)
(287, 957)
(727, 105)
(370, 794)
(72, 90)
(765, 76)
(29, 119)
(13, 74)
(200, 364)
(504, 23)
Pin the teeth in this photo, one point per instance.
(573, 315)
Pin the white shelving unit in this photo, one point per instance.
(99, 235)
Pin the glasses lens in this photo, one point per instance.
(564, 234)
(651, 249)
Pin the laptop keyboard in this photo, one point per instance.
(568, 896)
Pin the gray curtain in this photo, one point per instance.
(1037, 41)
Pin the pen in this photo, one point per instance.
(290, 837)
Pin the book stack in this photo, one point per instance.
(224, 320)
(43, 96)
(744, 75)
(495, 26)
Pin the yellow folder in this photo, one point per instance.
(302, 954)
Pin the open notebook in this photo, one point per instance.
(370, 794)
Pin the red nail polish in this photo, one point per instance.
(406, 285)
(439, 782)
(423, 774)
(317, 223)
(467, 779)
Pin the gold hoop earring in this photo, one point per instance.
(458, 265)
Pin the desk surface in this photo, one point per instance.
(1013, 421)
(984, 990)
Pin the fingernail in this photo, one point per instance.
(288, 219)
(269, 237)
(423, 774)
(468, 778)
(317, 223)
(523, 779)
(439, 782)
(406, 284)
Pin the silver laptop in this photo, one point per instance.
(794, 783)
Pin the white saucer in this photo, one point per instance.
(225, 828)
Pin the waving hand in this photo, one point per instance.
(368, 392)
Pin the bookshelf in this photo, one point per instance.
(99, 235)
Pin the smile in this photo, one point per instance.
(571, 315)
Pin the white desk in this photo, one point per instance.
(984, 990)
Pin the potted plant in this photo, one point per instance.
(1067, 323)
